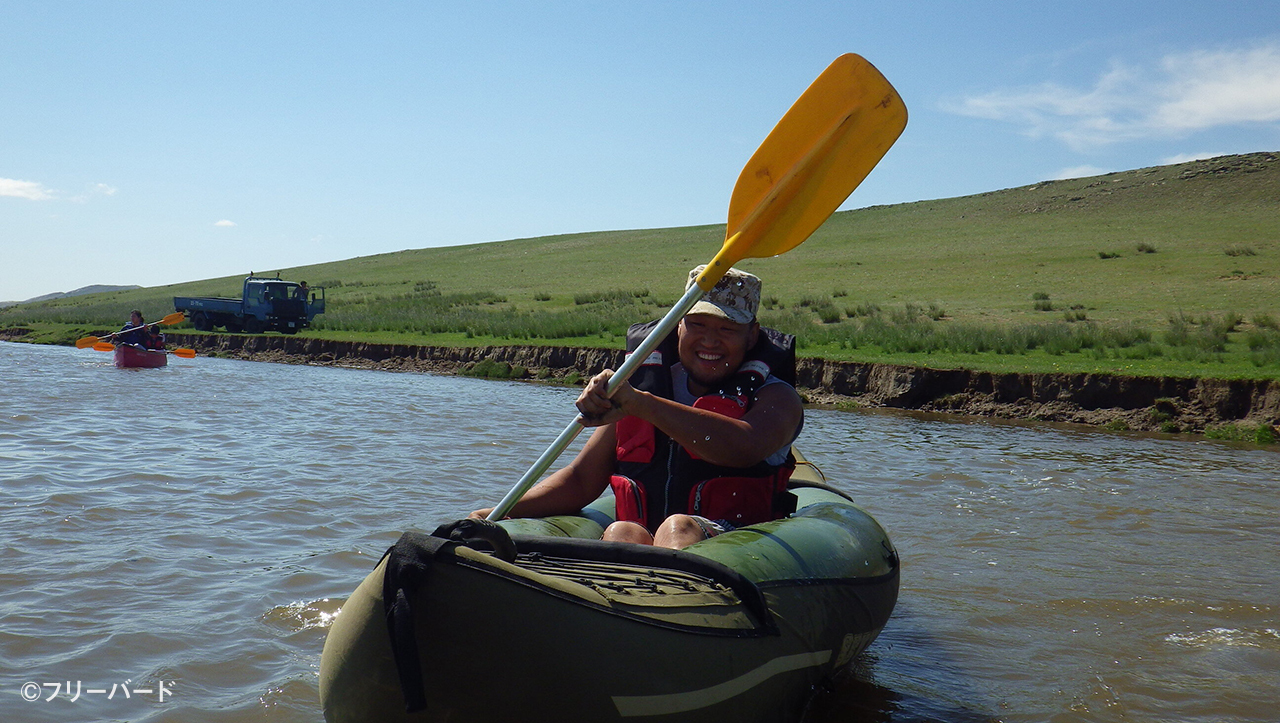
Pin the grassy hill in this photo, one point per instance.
(1172, 269)
(94, 289)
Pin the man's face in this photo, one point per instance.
(712, 348)
(135, 319)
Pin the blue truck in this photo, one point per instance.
(266, 304)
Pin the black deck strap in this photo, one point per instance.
(626, 553)
(408, 567)
(470, 532)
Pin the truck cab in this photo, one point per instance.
(266, 304)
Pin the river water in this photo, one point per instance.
(180, 539)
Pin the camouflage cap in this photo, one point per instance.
(735, 297)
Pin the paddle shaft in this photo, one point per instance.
(624, 372)
(135, 328)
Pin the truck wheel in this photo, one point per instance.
(201, 322)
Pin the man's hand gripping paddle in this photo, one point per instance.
(829, 140)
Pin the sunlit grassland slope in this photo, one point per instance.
(1171, 269)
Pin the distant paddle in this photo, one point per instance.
(88, 341)
(182, 352)
(829, 140)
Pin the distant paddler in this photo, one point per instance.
(134, 332)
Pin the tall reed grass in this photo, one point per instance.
(913, 330)
(816, 321)
(480, 313)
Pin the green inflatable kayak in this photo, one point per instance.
(537, 619)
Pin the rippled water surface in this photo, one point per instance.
(191, 531)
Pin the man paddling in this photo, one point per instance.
(699, 444)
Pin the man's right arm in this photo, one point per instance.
(572, 487)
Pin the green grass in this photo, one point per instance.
(1005, 281)
(1259, 434)
(492, 369)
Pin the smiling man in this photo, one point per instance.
(699, 441)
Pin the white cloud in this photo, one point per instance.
(1185, 93)
(30, 190)
(1078, 172)
(1187, 158)
(225, 222)
(97, 189)
(1210, 89)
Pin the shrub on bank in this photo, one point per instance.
(1234, 251)
(493, 369)
(1259, 434)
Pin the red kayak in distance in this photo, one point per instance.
(132, 356)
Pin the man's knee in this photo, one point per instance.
(679, 531)
(627, 532)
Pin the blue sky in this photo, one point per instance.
(158, 142)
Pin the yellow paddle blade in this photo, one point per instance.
(829, 140)
(184, 353)
(174, 318)
(104, 346)
(85, 342)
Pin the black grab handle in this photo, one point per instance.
(471, 531)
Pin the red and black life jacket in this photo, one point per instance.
(656, 477)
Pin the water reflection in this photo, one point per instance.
(201, 523)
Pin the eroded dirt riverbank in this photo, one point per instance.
(1168, 404)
